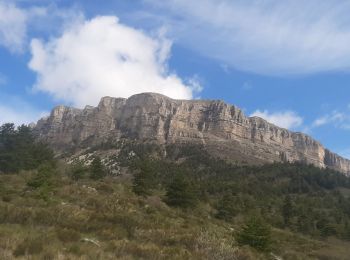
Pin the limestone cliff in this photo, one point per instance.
(222, 128)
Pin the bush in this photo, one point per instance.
(29, 246)
(78, 171)
(43, 177)
(67, 235)
(144, 180)
(181, 192)
(226, 208)
(98, 171)
(255, 233)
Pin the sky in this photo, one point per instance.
(285, 61)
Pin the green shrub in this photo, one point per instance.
(67, 235)
(98, 170)
(78, 171)
(255, 233)
(43, 177)
(226, 208)
(144, 180)
(181, 192)
(31, 246)
(75, 250)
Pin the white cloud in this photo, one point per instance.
(267, 37)
(13, 26)
(102, 57)
(337, 119)
(285, 119)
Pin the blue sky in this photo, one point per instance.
(287, 61)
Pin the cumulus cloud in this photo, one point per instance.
(285, 119)
(102, 57)
(267, 37)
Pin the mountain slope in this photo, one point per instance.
(221, 128)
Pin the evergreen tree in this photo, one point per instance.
(98, 171)
(255, 233)
(287, 210)
(226, 208)
(78, 171)
(43, 177)
(144, 180)
(181, 192)
(20, 151)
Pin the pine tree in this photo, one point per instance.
(144, 180)
(287, 210)
(226, 208)
(98, 171)
(20, 151)
(181, 192)
(255, 233)
(43, 177)
(78, 171)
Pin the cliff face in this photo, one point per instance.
(223, 129)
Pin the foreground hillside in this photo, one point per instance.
(177, 203)
(115, 223)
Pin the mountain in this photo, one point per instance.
(221, 128)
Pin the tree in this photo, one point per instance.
(287, 210)
(78, 171)
(181, 192)
(144, 180)
(43, 177)
(20, 151)
(7, 148)
(226, 208)
(98, 171)
(255, 233)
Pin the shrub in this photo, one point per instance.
(67, 235)
(78, 171)
(43, 177)
(144, 180)
(226, 208)
(255, 233)
(29, 246)
(98, 171)
(181, 192)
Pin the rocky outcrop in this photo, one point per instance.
(222, 128)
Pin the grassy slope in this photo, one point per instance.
(53, 225)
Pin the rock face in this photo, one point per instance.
(222, 128)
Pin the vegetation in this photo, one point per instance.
(181, 192)
(255, 233)
(186, 205)
(98, 170)
(20, 151)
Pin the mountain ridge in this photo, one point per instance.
(221, 128)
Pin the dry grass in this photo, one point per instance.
(125, 226)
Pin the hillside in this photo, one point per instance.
(185, 205)
(221, 128)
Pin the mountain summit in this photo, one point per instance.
(221, 128)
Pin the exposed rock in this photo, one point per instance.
(222, 128)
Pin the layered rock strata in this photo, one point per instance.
(222, 128)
